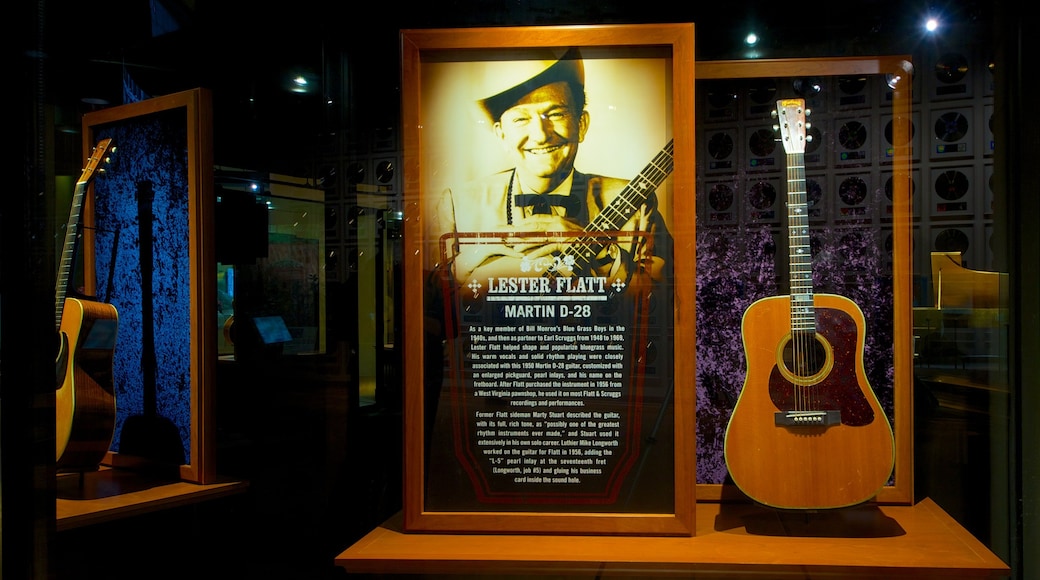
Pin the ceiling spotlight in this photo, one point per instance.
(302, 82)
(931, 24)
(751, 39)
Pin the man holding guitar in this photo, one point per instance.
(540, 119)
(500, 240)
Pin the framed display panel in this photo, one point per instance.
(555, 393)
(148, 250)
(742, 264)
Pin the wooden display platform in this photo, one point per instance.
(733, 540)
(110, 494)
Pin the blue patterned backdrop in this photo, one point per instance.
(153, 349)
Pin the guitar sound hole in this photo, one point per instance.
(804, 356)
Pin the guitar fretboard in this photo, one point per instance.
(68, 252)
(613, 217)
(803, 314)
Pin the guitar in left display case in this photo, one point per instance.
(85, 403)
(807, 431)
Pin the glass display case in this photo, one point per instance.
(270, 265)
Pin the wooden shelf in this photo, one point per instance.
(733, 540)
(110, 494)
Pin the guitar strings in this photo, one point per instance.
(803, 330)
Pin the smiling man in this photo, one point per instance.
(541, 132)
(539, 117)
(535, 265)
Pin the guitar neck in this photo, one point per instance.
(68, 252)
(803, 315)
(623, 207)
(791, 114)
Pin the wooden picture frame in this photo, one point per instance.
(161, 172)
(450, 485)
(849, 89)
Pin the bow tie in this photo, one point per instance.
(541, 202)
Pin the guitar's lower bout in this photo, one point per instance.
(85, 404)
(813, 438)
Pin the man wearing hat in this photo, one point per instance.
(541, 121)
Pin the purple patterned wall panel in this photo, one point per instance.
(737, 266)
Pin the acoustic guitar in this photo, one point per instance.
(807, 431)
(85, 408)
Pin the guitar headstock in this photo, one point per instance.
(98, 158)
(791, 114)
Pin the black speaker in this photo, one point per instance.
(241, 227)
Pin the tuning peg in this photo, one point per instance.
(808, 111)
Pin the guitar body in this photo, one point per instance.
(788, 465)
(85, 402)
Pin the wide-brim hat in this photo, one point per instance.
(514, 79)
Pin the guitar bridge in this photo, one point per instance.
(807, 418)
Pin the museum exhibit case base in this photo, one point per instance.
(110, 494)
(732, 540)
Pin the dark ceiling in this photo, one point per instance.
(241, 50)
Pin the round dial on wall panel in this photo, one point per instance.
(952, 240)
(951, 126)
(720, 197)
(951, 184)
(720, 145)
(762, 195)
(889, 137)
(385, 171)
(852, 135)
(762, 142)
(853, 190)
(355, 172)
(807, 87)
